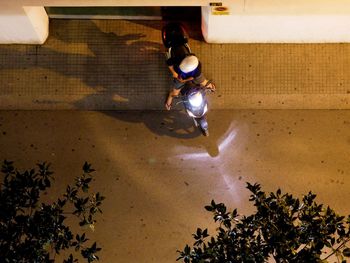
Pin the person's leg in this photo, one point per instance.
(174, 93)
(201, 80)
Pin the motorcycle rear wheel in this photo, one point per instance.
(205, 132)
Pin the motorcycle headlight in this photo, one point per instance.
(196, 99)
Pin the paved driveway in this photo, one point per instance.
(158, 173)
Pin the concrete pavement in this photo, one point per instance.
(158, 173)
(119, 64)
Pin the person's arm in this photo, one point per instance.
(208, 84)
(176, 76)
(170, 63)
(172, 94)
(173, 72)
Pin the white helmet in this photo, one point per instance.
(189, 64)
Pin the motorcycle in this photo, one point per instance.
(196, 105)
(175, 40)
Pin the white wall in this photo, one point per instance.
(249, 21)
(27, 25)
(279, 21)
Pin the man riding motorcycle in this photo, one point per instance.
(182, 63)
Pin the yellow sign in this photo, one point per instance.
(220, 10)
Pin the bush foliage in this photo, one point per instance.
(283, 228)
(32, 231)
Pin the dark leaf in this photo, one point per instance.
(87, 168)
(209, 208)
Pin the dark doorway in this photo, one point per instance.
(189, 16)
(184, 13)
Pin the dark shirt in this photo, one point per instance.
(177, 55)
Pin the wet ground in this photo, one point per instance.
(158, 172)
